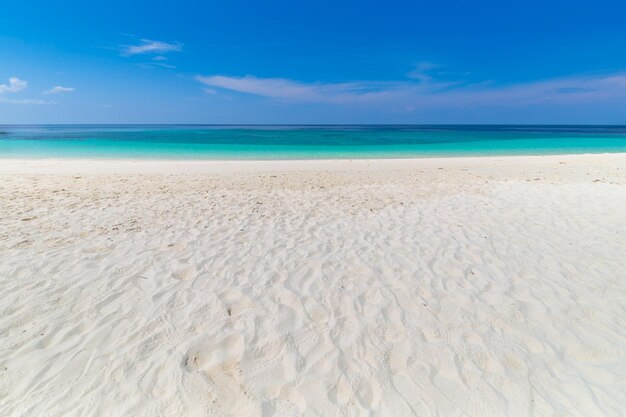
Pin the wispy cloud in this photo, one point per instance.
(564, 90)
(281, 88)
(15, 85)
(422, 71)
(57, 89)
(424, 90)
(146, 65)
(162, 65)
(26, 101)
(147, 46)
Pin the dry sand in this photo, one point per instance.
(434, 287)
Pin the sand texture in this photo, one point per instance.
(439, 287)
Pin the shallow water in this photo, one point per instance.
(302, 142)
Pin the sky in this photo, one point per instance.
(309, 62)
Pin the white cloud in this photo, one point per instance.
(148, 46)
(57, 89)
(159, 58)
(426, 92)
(15, 85)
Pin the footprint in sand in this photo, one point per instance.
(220, 364)
(225, 353)
(342, 393)
(184, 273)
(315, 311)
(368, 393)
(5, 381)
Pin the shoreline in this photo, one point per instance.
(129, 166)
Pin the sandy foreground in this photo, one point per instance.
(436, 287)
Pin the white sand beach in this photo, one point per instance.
(468, 287)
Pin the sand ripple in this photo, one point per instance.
(453, 292)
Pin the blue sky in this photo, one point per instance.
(313, 62)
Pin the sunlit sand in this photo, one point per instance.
(433, 287)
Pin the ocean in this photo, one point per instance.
(302, 142)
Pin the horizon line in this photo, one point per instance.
(314, 124)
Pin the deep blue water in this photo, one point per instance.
(302, 142)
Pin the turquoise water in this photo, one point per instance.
(303, 142)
